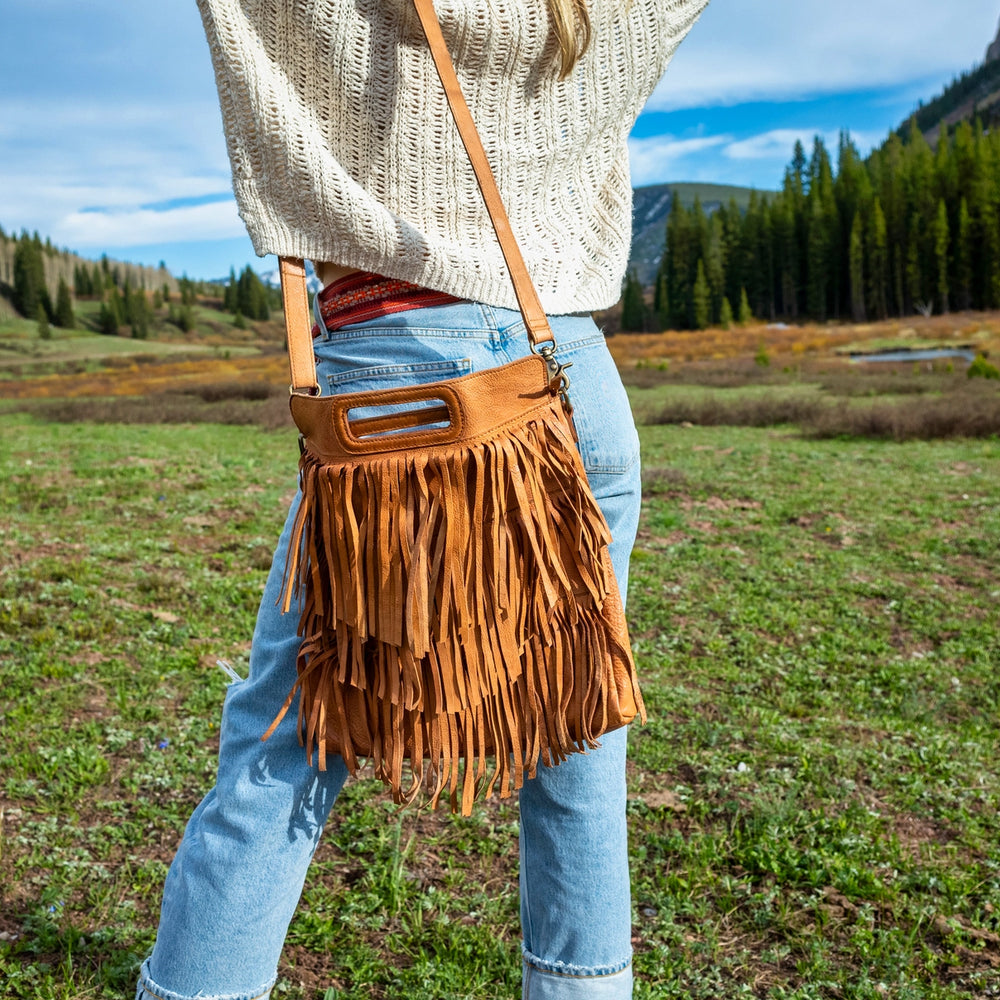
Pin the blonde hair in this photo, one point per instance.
(570, 21)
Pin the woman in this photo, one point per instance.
(343, 151)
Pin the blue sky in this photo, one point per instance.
(110, 137)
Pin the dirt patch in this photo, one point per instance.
(660, 798)
(914, 833)
(308, 970)
(720, 504)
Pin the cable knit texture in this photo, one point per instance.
(343, 148)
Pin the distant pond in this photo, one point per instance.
(928, 354)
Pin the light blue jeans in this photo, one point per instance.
(238, 874)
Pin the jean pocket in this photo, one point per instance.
(388, 376)
(381, 377)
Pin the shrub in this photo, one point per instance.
(725, 314)
(969, 414)
(270, 414)
(740, 411)
(217, 392)
(913, 419)
(981, 368)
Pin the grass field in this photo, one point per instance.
(85, 350)
(817, 623)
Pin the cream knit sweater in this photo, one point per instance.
(343, 149)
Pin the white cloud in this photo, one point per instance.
(756, 160)
(747, 50)
(779, 143)
(66, 158)
(140, 227)
(654, 159)
(767, 145)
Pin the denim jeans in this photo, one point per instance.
(238, 874)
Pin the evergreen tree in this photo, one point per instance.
(878, 257)
(987, 213)
(29, 276)
(110, 316)
(251, 296)
(914, 289)
(187, 291)
(941, 241)
(64, 307)
(82, 282)
(963, 257)
(701, 298)
(661, 298)
(137, 313)
(679, 264)
(725, 314)
(817, 275)
(762, 249)
(44, 330)
(822, 255)
(857, 271)
(633, 306)
(787, 256)
(745, 316)
(714, 256)
(795, 176)
(852, 193)
(229, 296)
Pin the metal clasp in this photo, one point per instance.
(557, 372)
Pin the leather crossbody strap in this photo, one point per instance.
(293, 281)
(298, 328)
(524, 289)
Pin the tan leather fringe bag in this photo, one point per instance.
(458, 602)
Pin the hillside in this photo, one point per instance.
(974, 94)
(63, 265)
(650, 208)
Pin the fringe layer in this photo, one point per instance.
(455, 607)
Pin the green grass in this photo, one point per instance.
(78, 346)
(814, 800)
(23, 352)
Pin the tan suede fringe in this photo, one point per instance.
(454, 609)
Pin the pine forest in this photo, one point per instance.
(913, 228)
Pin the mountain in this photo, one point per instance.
(650, 208)
(974, 94)
(272, 278)
(993, 52)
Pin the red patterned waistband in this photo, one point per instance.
(363, 296)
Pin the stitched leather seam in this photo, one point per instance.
(459, 445)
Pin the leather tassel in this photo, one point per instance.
(395, 583)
